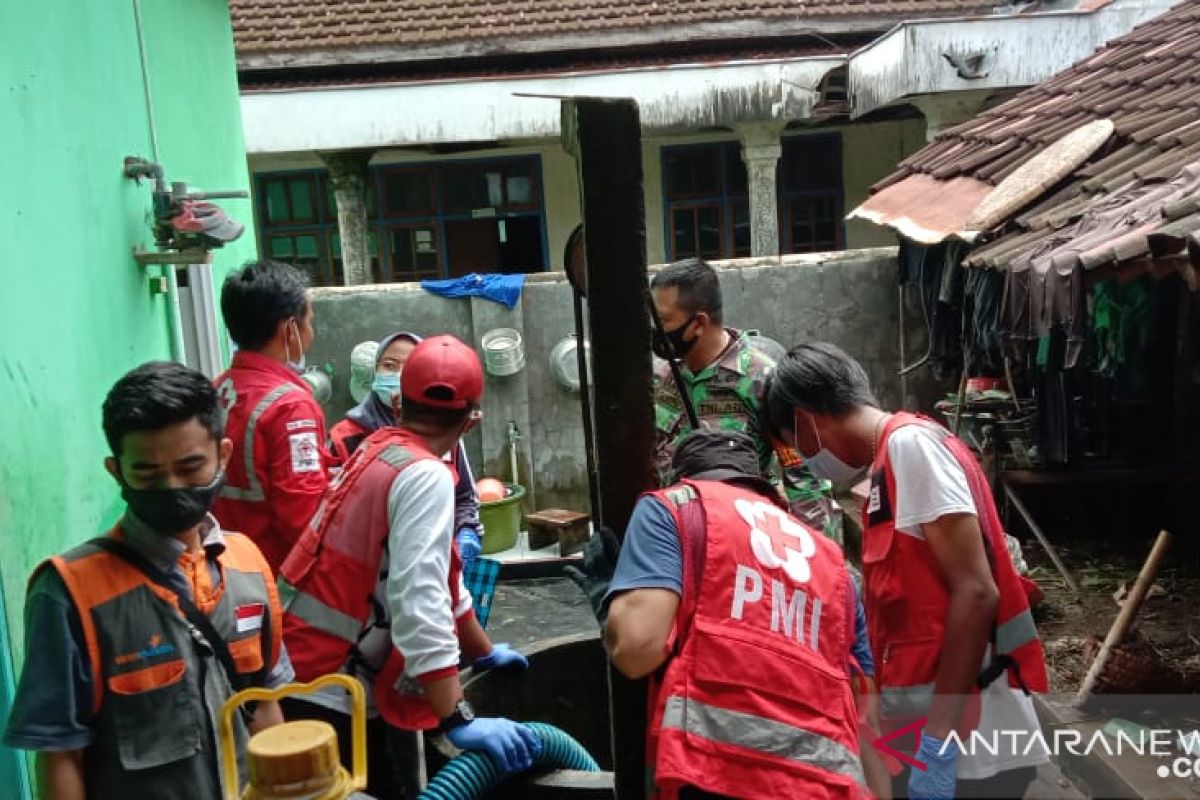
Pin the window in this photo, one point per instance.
(290, 200)
(427, 220)
(810, 194)
(707, 201)
(335, 255)
(415, 253)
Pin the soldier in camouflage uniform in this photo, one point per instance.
(725, 375)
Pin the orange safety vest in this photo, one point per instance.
(756, 700)
(152, 688)
(907, 601)
(332, 572)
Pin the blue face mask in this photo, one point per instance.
(386, 386)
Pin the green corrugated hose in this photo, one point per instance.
(471, 775)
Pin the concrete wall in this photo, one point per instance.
(848, 298)
(77, 310)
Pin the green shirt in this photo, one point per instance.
(728, 394)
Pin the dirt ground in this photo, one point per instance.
(1168, 626)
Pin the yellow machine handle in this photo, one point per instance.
(358, 726)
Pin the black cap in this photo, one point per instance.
(716, 455)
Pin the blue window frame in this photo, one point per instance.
(811, 194)
(427, 220)
(706, 208)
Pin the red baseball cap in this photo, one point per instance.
(443, 372)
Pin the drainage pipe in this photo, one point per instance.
(472, 775)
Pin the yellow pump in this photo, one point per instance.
(296, 759)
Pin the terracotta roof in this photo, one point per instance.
(281, 26)
(570, 63)
(1146, 82)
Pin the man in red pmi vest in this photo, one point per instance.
(954, 642)
(756, 635)
(375, 584)
(278, 471)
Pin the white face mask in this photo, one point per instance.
(826, 466)
(296, 366)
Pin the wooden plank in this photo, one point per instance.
(605, 137)
(1041, 537)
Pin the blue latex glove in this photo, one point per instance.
(937, 781)
(469, 544)
(512, 746)
(501, 656)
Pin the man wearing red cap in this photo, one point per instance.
(374, 586)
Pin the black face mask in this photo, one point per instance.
(172, 511)
(658, 341)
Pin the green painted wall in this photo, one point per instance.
(75, 310)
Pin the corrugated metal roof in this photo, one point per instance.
(1147, 82)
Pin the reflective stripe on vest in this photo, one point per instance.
(254, 494)
(906, 701)
(1016, 632)
(324, 617)
(767, 736)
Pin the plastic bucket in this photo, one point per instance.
(501, 520)
(503, 351)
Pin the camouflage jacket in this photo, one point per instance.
(728, 394)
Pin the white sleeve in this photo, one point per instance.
(930, 483)
(421, 525)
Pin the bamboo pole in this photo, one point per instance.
(1121, 625)
(1041, 537)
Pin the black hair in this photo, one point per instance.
(256, 298)
(435, 416)
(572, 242)
(696, 282)
(817, 377)
(156, 395)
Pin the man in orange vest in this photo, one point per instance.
(953, 638)
(134, 640)
(375, 585)
(756, 627)
(278, 471)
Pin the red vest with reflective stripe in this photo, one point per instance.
(907, 601)
(336, 565)
(757, 700)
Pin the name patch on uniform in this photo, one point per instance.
(249, 617)
(301, 424)
(876, 500)
(879, 505)
(306, 453)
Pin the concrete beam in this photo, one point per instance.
(348, 174)
(1002, 51)
(679, 97)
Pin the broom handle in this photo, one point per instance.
(1129, 610)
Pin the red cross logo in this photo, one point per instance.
(777, 540)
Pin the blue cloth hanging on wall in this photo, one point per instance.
(503, 289)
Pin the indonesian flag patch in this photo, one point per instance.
(249, 617)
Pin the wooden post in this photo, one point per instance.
(1129, 610)
(605, 137)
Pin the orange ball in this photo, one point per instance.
(489, 490)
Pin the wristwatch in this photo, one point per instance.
(463, 714)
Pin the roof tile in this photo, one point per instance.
(265, 26)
